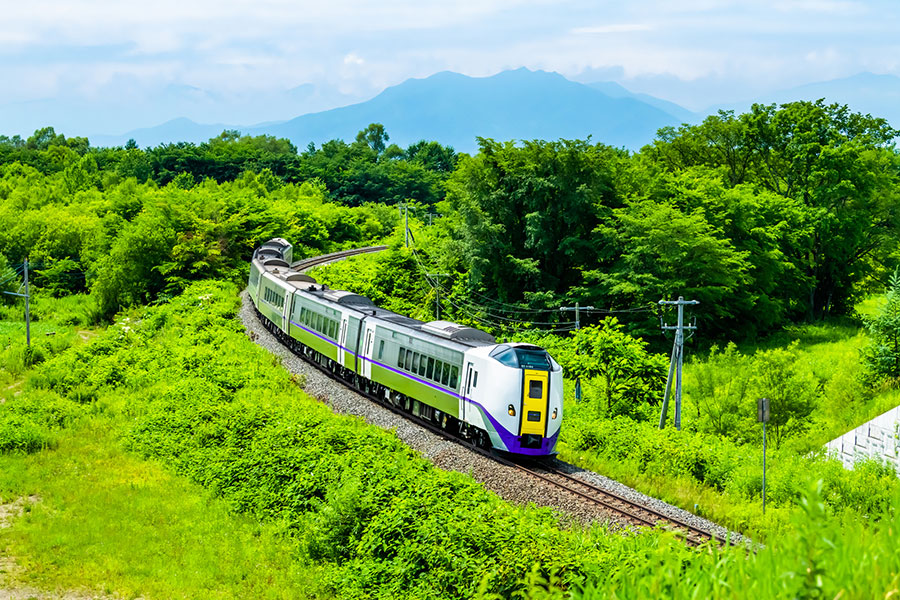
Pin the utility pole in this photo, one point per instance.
(27, 308)
(404, 215)
(762, 416)
(577, 310)
(27, 297)
(676, 361)
(437, 297)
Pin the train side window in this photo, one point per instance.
(430, 372)
(423, 366)
(454, 376)
(438, 369)
(415, 363)
(401, 358)
(380, 349)
(445, 374)
(475, 380)
(334, 330)
(318, 326)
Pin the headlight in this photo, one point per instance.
(511, 410)
(554, 412)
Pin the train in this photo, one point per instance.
(506, 397)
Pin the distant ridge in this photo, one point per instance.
(176, 130)
(867, 93)
(454, 109)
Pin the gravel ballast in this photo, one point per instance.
(507, 482)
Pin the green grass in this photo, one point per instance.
(110, 523)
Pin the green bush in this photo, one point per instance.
(18, 433)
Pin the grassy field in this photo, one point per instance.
(107, 522)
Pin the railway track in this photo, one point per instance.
(316, 261)
(635, 513)
(547, 471)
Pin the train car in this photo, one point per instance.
(505, 396)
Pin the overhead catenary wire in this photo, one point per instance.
(487, 315)
(507, 322)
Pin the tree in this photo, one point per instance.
(632, 377)
(374, 136)
(663, 252)
(524, 215)
(791, 388)
(838, 166)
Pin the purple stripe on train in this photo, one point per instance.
(510, 440)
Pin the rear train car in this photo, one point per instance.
(505, 396)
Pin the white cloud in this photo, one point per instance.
(353, 59)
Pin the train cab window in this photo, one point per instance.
(430, 372)
(401, 358)
(380, 349)
(535, 389)
(415, 363)
(454, 376)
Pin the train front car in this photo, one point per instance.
(516, 392)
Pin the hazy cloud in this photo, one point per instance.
(123, 58)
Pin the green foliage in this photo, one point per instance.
(836, 166)
(192, 391)
(792, 390)
(19, 434)
(525, 215)
(631, 378)
(882, 355)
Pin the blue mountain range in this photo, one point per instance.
(455, 109)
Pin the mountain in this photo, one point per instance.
(176, 130)
(878, 95)
(453, 109)
(615, 90)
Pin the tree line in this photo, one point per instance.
(782, 214)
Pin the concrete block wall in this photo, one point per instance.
(876, 438)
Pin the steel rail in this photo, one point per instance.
(315, 261)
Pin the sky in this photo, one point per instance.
(104, 66)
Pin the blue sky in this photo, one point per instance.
(107, 66)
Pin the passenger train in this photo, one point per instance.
(505, 396)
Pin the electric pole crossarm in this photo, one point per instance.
(677, 359)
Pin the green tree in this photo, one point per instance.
(373, 136)
(632, 377)
(663, 252)
(791, 388)
(524, 215)
(838, 166)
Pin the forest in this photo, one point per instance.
(782, 222)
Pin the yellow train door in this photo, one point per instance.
(534, 402)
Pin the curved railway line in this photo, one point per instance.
(548, 471)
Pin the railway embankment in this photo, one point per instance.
(508, 481)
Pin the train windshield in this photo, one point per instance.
(525, 357)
